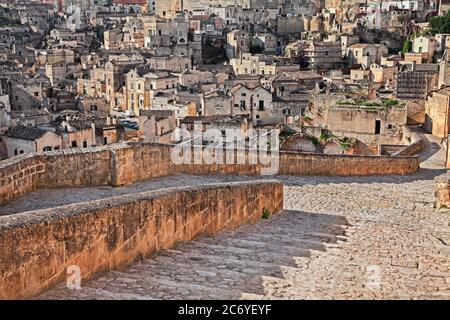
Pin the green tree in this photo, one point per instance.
(407, 45)
(440, 24)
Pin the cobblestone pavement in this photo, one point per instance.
(373, 237)
(338, 237)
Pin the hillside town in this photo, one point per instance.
(337, 77)
(116, 176)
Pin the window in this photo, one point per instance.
(261, 105)
(84, 144)
(242, 105)
(15, 152)
(36, 94)
(74, 143)
(377, 126)
(47, 149)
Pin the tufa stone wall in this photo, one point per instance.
(19, 175)
(124, 164)
(152, 160)
(412, 149)
(38, 246)
(69, 168)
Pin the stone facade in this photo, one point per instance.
(437, 113)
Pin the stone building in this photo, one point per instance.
(372, 123)
(156, 125)
(292, 81)
(437, 113)
(168, 8)
(444, 70)
(237, 123)
(290, 25)
(216, 103)
(365, 54)
(416, 80)
(22, 139)
(195, 77)
(238, 42)
(94, 104)
(267, 42)
(56, 67)
(425, 46)
(254, 102)
(442, 42)
(383, 74)
(170, 63)
(140, 89)
(289, 107)
(316, 54)
(247, 63)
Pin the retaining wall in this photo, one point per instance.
(124, 164)
(38, 246)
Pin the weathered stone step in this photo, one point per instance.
(241, 253)
(220, 260)
(283, 239)
(240, 275)
(170, 289)
(290, 230)
(256, 245)
(90, 291)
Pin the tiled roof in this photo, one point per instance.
(25, 133)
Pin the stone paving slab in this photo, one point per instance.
(337, 238)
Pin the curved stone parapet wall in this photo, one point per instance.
(37, 247)
(124, 164)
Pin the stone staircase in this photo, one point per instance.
(337, 238)
(237, 264)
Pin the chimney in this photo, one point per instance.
(94, 142)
